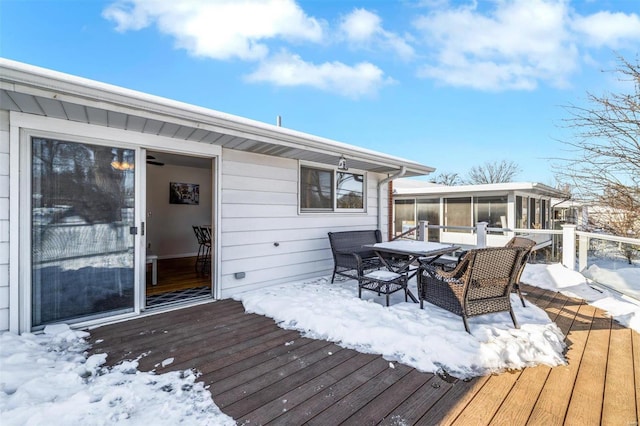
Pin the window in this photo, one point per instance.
(522, 216)
(429, 210)
(457, 212)
(492, 210)
(329, 190)
(349, 191)
(405, 215)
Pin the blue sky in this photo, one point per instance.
(451, 84)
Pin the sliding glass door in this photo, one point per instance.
(82, 231)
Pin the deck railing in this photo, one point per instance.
(576, 250)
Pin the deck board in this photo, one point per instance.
(517, 406)
(585, 406)
(259, 373)
(553, 401)
(619, 402)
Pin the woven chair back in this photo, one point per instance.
(491, 272)
(522, 242)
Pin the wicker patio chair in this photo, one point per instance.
(527, 245)
(480, 284)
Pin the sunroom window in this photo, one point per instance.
(330, 190)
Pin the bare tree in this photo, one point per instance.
(604, 163)
(495, 172)
(447, 178)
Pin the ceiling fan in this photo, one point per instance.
(152, 160)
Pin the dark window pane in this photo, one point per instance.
(316, 188)
(349, 191)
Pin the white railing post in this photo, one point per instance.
(481, 234)
(569, 246)
(583, 247)
(423, 228)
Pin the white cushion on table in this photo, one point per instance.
(382, 275)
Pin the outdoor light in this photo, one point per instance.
(342, 163)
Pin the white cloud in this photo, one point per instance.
(363, 28)
(360, 25)
(517, 44)
(286, 69)
(221, 29)
(609, 29)
(513, 47)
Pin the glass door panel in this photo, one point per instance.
(82, 248)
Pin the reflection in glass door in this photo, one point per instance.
(82, 248)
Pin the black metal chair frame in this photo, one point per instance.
(373, 281)
(347, 243)
(203, 258)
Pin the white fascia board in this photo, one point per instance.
(531, 187)
(29, 79)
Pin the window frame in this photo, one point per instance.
(334, 190)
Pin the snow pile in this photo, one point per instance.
(623, 309)
(48, 379)
(429, 340)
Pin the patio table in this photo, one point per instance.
(410, 251)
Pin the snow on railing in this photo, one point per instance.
(602, 258)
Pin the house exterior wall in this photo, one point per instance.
(4, 220)
(264, 235)
(259, 207)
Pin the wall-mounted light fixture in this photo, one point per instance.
(342, 163)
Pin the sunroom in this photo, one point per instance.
(453, 212)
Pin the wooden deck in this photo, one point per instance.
(261, 374)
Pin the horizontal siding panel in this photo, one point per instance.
(233, 168)
(285, 260)
(300, 222)
(274, 276)
(236, 196)
(258, 159)
(253, 211)
(231, 239)
(269, 249)
(258, 184)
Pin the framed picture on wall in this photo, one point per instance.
(184, 193)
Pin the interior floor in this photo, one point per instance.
(177, 275)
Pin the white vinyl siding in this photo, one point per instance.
(259, 207)
(4, 220)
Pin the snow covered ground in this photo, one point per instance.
(50, 379)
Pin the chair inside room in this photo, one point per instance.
(203, 258)
(480, 284)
